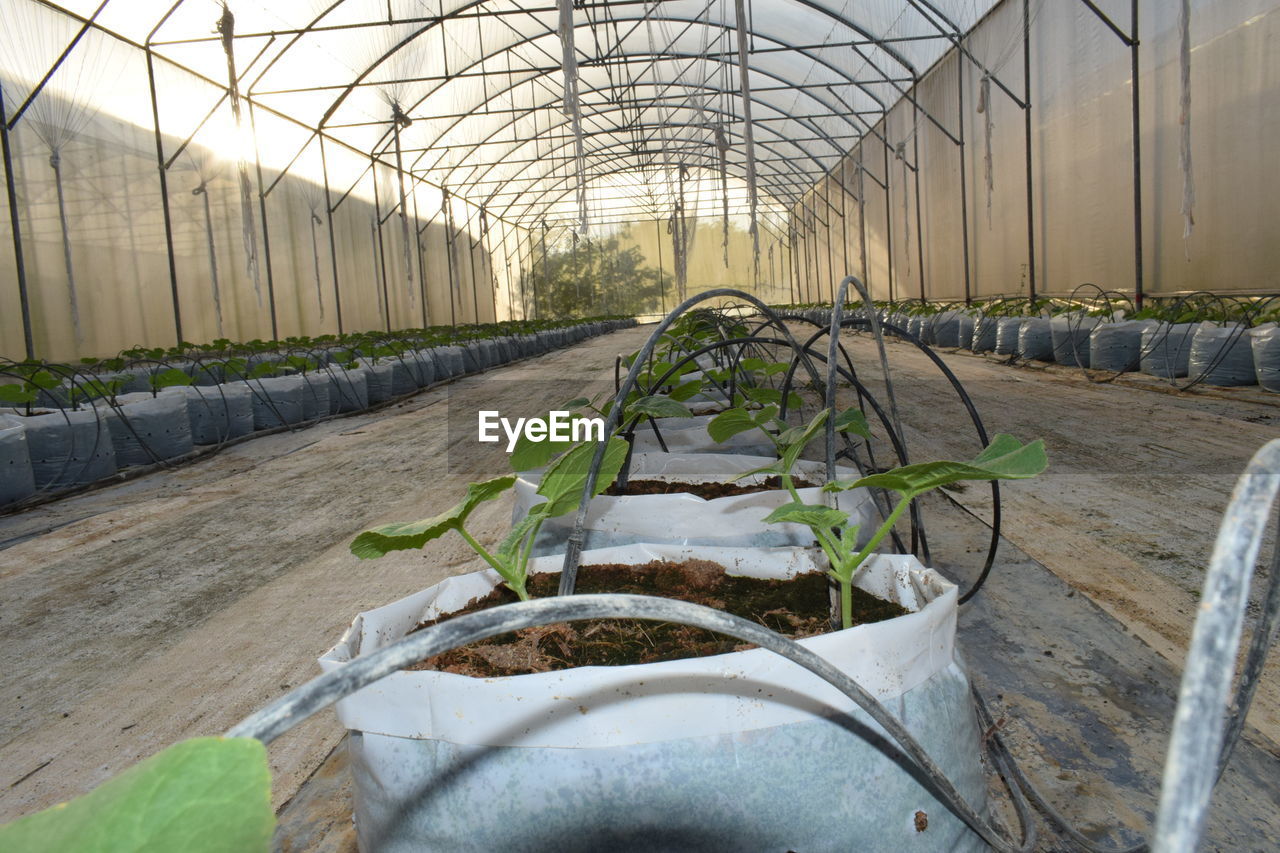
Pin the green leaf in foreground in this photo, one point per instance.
(206, 795)
(407, 535)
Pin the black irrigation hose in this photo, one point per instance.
(275, 719)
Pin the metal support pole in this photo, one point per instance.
(915, 154)
(1026, 117)
(164, 197)
(333, 244)
(964, 178)
(266, 231)
(379, 250)
(831, 269)
(888, 212)
(10, 183)
(422, 268)
(1137, 160)
(862, 224)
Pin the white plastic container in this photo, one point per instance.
(146, 429)
(736, 751)
(685, 519)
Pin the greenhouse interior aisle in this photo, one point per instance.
(180, 602)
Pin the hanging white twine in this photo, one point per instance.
(572, 106)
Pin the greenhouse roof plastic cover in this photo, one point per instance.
(483, 88)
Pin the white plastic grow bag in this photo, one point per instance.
(1221, 355)
(146, 429)
(685, 519)
(1117, 346)
(349, 391)
(315, 396)
(1070, 337)
(1166, 349)
(17, 481)
(1035, 340)
(709, 753)
(1266, 356)
(689, 435)
(1007, 329)
(69, 447)
(277, 401)
(218, 412)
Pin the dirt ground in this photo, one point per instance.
(174, 605)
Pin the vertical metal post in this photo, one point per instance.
(1137, 160)
(888, 208)
(164, 197)
(1026, 118)
(422, 268)
(662, 288)
(379, 251)
(964, 176)
(862, 223)
(333, 244)
(266, 231)
(831, 269)
(915, 154)
(449, 253)
(10, 183)
(475, 296)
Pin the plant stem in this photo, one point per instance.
(848, 568)
(516, 584)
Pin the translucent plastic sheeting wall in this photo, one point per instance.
(1082, 161)
(115, 228)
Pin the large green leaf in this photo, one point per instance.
(18, 395)
(686, 390)
(564, 481)
(1005, 458)
(206, 795)
(406, 535)
(171, 378)
(810, 515)
(729, 423)
(658, 406)
(854, 421)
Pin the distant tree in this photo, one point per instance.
(592, 278)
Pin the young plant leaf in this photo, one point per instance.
(1005, 458)
(812, 515)
(18, 395)
(854, 421)
(171, 378)
(686, 390)
(563, 482)
(729, 423)
(206, 795)
(508, 549)
(658, 406)
(403, 536)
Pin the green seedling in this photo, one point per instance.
(1004, 459)
(171, 378)
(561, 485)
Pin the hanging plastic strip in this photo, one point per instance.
(572, 106)
(988, 126)
(745, 85)
(227, 29)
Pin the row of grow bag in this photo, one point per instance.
(1238, 345)
(82, 427)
